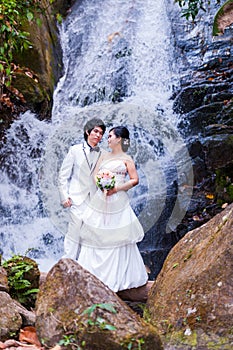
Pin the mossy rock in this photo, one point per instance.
(44, 59)
(37, 99)
(223, 18)
(23, 277)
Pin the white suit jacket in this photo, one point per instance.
(75, 179)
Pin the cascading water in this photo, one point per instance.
(24, 225)
(117, 58)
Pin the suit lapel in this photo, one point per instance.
(95, 160)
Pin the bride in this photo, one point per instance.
(111, 230)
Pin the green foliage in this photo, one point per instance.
(191, 8)
(67, 340)
(13, 14)
(71, 341)
(224, 186)
(134, 344)
(97, 321)
(94, 320)
(17, 268)
(13, 39)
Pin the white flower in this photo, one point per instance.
(191, 311)
(188, 331)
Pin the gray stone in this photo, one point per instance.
(65, 296)
(191, 301)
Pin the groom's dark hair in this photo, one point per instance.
(89, 126)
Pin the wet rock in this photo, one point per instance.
(25, 272)
(36, 97)
(3, 280)
(13, 317)
(191, 299)
(42, 62)
(196, 95)
(63, 308)
(10, 320)
(218, 151)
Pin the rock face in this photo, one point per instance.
(203, 99)
(191, 301)
(44, 59)
(11, 321)
(13, 316)
(62, 309)
(38, 68)
(3, 280)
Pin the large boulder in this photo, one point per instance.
(25, 276)
(3, 280)
(74, 303)
(13, 317)
(10, 320)
(191, 301)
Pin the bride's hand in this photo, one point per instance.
(111, 191)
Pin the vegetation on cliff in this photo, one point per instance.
(190, 8)
(13, 39)
(30, 57)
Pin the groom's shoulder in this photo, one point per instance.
(76, 147)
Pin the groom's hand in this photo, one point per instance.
(67, 203)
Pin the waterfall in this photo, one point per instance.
(113, 51)
(24, 225)
(118, 65)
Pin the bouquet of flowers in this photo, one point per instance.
(105, 180)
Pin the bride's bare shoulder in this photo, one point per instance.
(127, 157)
(106, 155)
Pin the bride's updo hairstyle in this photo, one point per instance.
(123, 132)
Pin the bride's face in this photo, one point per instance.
(113, 141)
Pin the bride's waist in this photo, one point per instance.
(119, 173)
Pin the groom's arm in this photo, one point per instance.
(64, 177)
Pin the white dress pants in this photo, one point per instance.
(72, 237)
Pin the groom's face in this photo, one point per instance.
(95, 136)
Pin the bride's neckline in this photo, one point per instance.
(116, 155)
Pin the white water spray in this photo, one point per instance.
(117, 66)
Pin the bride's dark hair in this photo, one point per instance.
(123, 132)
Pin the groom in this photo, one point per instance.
(75, 181)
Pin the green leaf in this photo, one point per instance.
(8, 71)
(59, 18)
(108, 307)
(89, 310)
(31, 291)
(30, 16)
(175, 265)
(38, 22)
(8, 83)
(109, 327)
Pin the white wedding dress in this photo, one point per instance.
(109, 237)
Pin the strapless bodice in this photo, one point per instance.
(117, 167)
